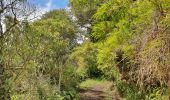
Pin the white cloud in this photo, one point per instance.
(47, 7)
(40, 10)
(43, 10)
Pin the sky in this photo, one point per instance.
(44, 6)
(50, 4)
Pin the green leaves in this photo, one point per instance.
(84, 58)
(44, 60)
(101, 30)
(83, 10)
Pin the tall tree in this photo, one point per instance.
(10, 10)
(83, 11)
(56, 33)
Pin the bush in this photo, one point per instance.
(130, 92)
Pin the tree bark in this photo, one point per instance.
(60, 76)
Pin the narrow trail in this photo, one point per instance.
(90, 94)
(98, 93)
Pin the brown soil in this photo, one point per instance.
(98, 93)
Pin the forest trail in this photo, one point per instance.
(91, 94)
(102, 91)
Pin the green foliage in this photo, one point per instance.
(70, 83)
(42, 60)
(112, 30)
(83, 10)
(158, 94)
(56, 35)
(37, 57)
(109, 18)
(84, 58)
(90, 83)
(128, 91)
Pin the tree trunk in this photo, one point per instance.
(60, 76)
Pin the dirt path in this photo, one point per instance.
(99, 93)
(90, 94)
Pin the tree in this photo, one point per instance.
(56, 36)
(10, 10)
(84, 58)
(83, 11)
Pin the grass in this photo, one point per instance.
(92, 83)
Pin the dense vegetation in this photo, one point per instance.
(125, 43)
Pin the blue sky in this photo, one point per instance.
(50, 4)
(44, 6)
